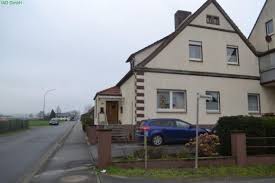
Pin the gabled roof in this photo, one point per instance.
(185, 23)
(125, 78)
(143, 49)
(113, 91)
(258, 19)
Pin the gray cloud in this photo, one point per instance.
(80, 47)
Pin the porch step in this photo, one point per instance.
(120, 133)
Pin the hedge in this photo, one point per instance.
(87, 119)
(12, 125)
(252, 127)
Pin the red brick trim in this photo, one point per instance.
(140, 80)
(140, 94)
(140, 87)
(140, 108)
(140, 101)
(140, 73)
(140, 115)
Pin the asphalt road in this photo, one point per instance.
(20, 152)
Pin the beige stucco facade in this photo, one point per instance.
(233, 96)
(128, 93)
(176, 54)
(257, 37)
(212, 10)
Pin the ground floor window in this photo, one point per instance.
(253, 103)
(171, 100)
(213, 106)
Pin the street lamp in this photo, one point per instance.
(48, 91)
(199, 96)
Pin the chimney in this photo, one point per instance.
(180, 16)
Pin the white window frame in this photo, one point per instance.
(219, 103)
(211, 19)
(238, 59)
(266, 27)
(195, 43)
(171, 109)
(258, 100)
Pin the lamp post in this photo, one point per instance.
(199, 96)
(48, 91)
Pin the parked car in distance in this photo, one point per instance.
(53, 122)
(165, 130)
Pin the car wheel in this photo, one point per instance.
(157, 140)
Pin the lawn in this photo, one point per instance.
(217, 172)
(33, 123)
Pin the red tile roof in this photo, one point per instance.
(113, 91)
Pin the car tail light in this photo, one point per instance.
(145, 128)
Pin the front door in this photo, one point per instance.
(112, 112)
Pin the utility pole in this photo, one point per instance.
(44, 103)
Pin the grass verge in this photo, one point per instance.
(217, 172)
(33, 123)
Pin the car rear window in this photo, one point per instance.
(162, 123)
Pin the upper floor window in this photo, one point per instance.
(213, 106)
(253, 103)
(195, 51)
(210, 19)
(269, 27)
(232, 55)
(171, 100)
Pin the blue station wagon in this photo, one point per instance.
(163, 130)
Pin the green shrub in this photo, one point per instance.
(87, 119)
(207, 145)
(252, 127)
(152, 153)
(184, 153)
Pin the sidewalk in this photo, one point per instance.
(71, 163)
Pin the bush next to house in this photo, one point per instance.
(252, 127)
(208, 144)
(13, 125)
(87, 119)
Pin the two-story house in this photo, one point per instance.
(206, 54)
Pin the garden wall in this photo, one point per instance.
(13, 125)
(168, 164)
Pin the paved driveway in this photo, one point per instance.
(20, 152)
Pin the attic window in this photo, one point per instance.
(210, 19)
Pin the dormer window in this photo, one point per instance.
(210, 19)
(269, 27)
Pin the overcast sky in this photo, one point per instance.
(79, 47)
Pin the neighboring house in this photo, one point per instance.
(63, 115)
(206, 54)
(262, 37)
